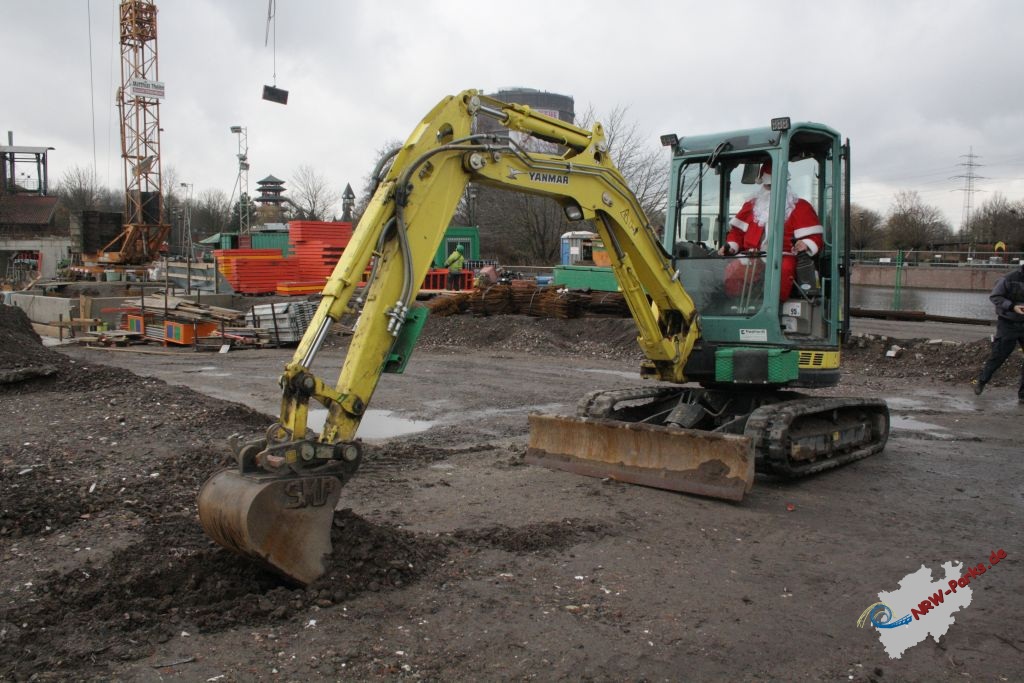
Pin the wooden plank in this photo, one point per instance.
(153, 352)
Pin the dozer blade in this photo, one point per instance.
(283, 522)
(692, 461)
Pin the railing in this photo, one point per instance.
(926, 258)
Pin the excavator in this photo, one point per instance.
(727, 360)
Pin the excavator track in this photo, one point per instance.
(808, 435)
(606, 403)
(793, 437)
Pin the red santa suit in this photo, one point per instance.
(747, 232)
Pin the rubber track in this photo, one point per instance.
(769, 426)
(602, 403)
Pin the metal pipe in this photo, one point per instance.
(318, 340)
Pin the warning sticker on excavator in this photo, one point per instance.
(749, 335)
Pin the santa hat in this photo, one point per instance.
(765, 176)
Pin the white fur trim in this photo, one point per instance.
(812, 248)
(733, 246)
(737, 223)
(800, 233)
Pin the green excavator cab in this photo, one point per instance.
(757, 325)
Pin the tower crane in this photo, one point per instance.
(138, 102)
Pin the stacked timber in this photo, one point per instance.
(526, 297)
(611, 304)
(447, 304)
(300, 287)
(185, 310)
(561, 303)
(492, 300)
(172, 320)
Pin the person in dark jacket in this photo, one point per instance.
(1008, 298)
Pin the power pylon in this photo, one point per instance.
(969, 177)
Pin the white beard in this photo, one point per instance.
(762, 204)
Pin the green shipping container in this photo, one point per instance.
(467, 236)
(598, 278)
(271, 240)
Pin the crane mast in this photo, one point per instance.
(138, 102)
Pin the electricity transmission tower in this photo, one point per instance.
(969, 177)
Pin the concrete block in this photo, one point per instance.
(45, 309)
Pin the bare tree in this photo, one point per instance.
(865, 228)
(520, 229)
(381, 161)
(78, 190)
(642, 163)
(998, 219)
(311, 194)
(912, 224)
(211, 212)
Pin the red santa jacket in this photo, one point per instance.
(801, 224)
(745, 233)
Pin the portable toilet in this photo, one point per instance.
(578, 247)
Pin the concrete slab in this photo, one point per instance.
(45, 309)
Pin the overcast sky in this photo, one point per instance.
(916, 86)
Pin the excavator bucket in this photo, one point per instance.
(703, 463)
(285, 523)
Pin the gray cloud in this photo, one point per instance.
(915, 85)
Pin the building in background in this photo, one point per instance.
(31, 245)
(555, 105)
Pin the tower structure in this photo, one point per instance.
(138, 101)
(270, 199)
(969, 177)
(242, 182)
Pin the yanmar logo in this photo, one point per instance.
(549, 178)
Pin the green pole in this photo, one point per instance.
(898, 289)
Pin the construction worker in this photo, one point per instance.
(1008, 298)
(454, 263)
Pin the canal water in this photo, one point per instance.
(950, 302)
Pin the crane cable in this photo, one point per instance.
(272, 18)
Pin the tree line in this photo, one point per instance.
(519, 229)
(310, 197)
(910, 224)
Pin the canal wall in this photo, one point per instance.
(925, 276)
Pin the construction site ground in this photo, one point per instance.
(456, 561)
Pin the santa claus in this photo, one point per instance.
(802, 231)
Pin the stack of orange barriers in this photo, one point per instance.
(317, 246)
(254, 271)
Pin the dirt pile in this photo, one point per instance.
(923, 359)
(588, 337)
(22, 354)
